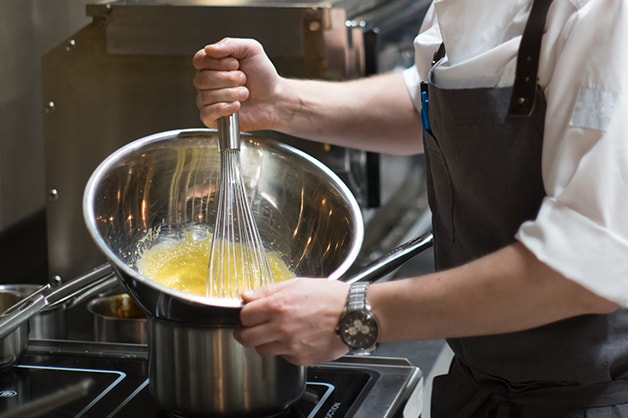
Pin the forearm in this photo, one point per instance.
(374, 113)
(507, 291)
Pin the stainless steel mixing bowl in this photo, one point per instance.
(157, 188)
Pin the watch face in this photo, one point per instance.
(359, 329)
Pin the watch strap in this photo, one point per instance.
(356, 300)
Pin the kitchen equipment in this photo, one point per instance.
(350, 387)
(197, 371)
(181, 382)
(50, 322)
(145, 43)
(56, 399)
(162, 187)
(392, 259)
(14, 342)
(52, 295)
(237, 260)
(117, 318)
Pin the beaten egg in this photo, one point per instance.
(183, 265)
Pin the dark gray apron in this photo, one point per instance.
(483, 156)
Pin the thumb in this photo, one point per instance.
(238, 48)
(265, 291)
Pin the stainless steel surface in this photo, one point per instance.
(392, 260)
(98, 89)
(51, 296)
(198, 371)
(14, 342)
(159, 186)
(118, 59)
(50, 322)
(229, 132)
(118, 319)
(237, 257)
(29, 28)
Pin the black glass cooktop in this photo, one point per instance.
(68, 379)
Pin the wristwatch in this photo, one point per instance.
(358, 327)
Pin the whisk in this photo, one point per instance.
(237, 260)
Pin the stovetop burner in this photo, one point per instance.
(58, 379)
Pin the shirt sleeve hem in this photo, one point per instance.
(580, 249)
(413, 84)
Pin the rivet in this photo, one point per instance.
(53, 195)
(70, 45)
(50, 108)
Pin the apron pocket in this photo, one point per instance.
(440, 192)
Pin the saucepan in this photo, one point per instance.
(15, 341)
(162, 187)
(19, 305)
(51, 321)
(117, 318)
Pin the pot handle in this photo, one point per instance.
(392, 259)
(20, 312)
(50, 295)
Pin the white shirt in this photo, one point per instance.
(582, 226)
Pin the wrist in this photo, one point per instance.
(358, 327)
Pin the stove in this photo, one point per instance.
(65, 378)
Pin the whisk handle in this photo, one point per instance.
(229, 132)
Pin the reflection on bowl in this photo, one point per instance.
(118, 319)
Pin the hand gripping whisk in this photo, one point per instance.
(237, 260)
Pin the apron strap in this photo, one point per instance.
(523, 96)
(524, 90)
(440, 53)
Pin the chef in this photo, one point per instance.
(523, 107)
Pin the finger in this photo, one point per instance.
(261, 292)
(274, 348)
(253, 337)
(214, 79)
(230, 94)
(203, 61)
(209, 114)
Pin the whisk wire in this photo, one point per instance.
(238, 260)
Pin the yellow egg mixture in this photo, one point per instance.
(183, 265)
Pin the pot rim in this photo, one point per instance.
(134, 146)
(91, 307)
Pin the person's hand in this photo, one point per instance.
(296, 319)
(236, 75)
